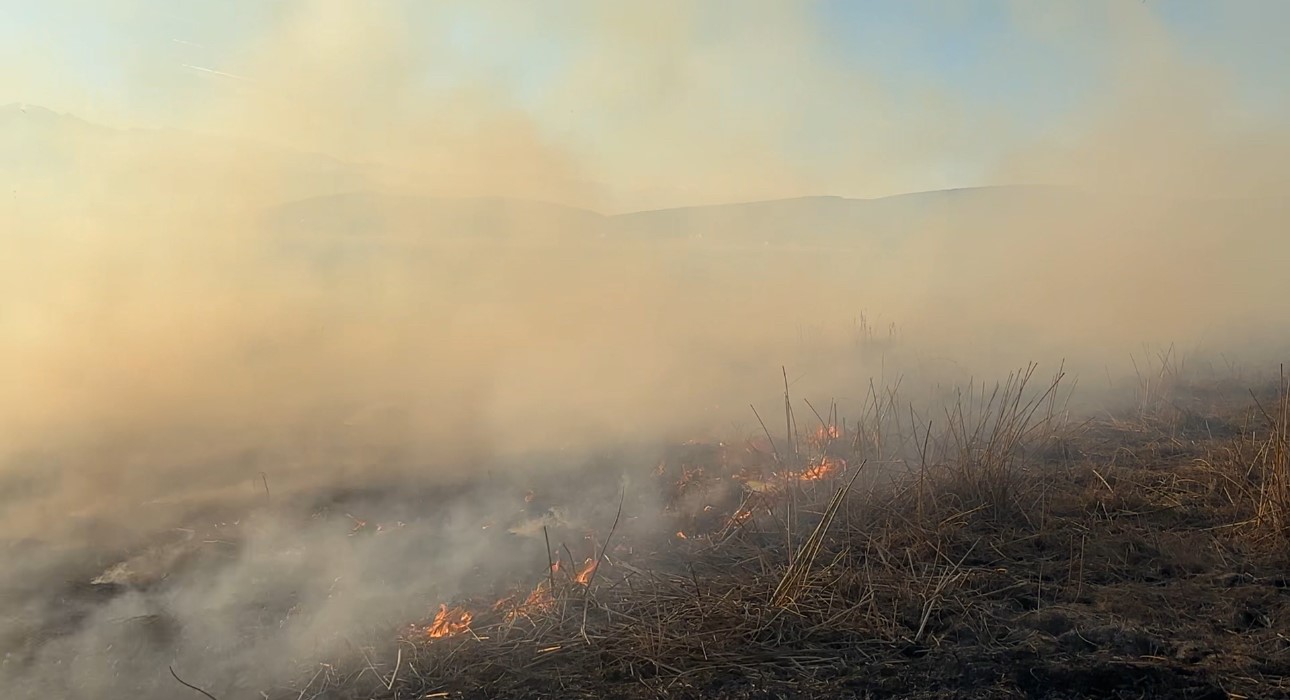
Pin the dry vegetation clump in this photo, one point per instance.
(993, 549)
(1271, 466)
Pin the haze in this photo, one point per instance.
(332, 242)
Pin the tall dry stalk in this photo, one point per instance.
(988, 437)
(799, 567)
(1273, 463)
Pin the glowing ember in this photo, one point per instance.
(449, 622)
(538, 602)
(540, 597)
(690, 474)
(827, 467)
(584, 574)
(825, 433)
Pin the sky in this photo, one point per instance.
(860, 97)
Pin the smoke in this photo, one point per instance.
(194, 318)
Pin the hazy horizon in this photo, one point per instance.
(36, 110)
(600, 107)
(195, 305)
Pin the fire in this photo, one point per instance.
(538, 602)
(449, 622)
(825, 433)
(584, 574)
(540, 599)
(827, 467)
(681, 535)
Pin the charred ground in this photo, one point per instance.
(1010, 552)
(1132, 555)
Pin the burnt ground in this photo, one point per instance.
(1129, 556)
(1008, 554)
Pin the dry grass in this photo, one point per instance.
(1272, 458)
(973, 559)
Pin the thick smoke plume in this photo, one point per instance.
(352, 274)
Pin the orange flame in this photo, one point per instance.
(584, 574)
(540, 597)
(825, 433)
(827, 467)
(538, 602)
(449, 622)
(681, 535)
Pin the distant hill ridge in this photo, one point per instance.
(314, 194)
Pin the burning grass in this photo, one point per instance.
(991, 547)
(449, 622)
(1007, 553)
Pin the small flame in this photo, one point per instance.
(825, 433)
(538, 602)
(449, 622)
(681, 535)
(827, 467)
(540, 597)
(584, 574)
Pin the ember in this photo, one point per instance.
(827, 467)
(538, 602)
(826, 433)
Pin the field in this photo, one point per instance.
(998, 547)
(413, 350)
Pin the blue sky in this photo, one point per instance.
(957, 43)
(135, 62)
(951, 41)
